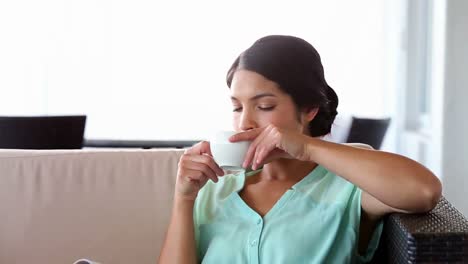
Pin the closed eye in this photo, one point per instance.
(269, 108)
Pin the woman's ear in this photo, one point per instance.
(310, 113)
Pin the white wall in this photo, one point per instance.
(395, 69)
(455, 110)
(156, 69)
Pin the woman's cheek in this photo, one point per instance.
(271, 119)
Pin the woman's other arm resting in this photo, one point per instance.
(390, 182)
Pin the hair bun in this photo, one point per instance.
(321, 124)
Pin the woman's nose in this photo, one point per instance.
(247, 121)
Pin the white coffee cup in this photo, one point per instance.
(228, 155)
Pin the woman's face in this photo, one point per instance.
(258, 102)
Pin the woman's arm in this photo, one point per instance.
(179, 245)
(390, 182)
(396, 181)
(196, 166)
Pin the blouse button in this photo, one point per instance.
(253, 243)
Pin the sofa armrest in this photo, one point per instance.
(439, 236)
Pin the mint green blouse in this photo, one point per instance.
(316, 221)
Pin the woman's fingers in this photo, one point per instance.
(203, 169)
(205, 148)
(247, 135)
(204, 164)
(209, 161)
(249, 156)
(271, 149)
(195, 175)
(200, 148)
(263, 152)
(254, 147)
(263, 147)
(264, 142)
(196, 166)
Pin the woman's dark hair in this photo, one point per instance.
(295, 66)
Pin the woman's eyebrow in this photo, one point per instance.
(256, 97)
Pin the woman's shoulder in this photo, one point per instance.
(324, 186)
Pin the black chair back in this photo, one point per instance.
(42, 132)
(368, 131)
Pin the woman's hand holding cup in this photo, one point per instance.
(196, 167)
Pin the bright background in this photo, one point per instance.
(156, 69)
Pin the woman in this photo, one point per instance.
(306, 200)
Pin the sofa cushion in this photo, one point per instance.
(111, 206)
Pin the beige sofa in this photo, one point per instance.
(110, 206)
(113, 207)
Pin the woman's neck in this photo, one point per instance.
(286, 170)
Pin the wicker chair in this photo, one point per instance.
(440, 236)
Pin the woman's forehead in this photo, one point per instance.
(248, 83)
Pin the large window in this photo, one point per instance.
(156, 69)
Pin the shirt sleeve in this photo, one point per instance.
(375, 238)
